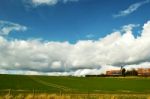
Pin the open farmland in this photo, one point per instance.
(14, 84)
(75, 84)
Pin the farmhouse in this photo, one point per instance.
(139, 72)
(114, 72)
(143, 71)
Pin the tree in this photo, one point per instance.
(123, 72)
(132, 72)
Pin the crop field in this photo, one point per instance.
(21, 84)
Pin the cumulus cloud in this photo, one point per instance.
(49, 2)
(7, 27)
(35, 56)
(132, 8)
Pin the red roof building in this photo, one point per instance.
(143, 71)
(113, 72)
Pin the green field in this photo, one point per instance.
(74, 84)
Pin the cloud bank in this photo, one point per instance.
(84, 57)
(49, 2)
(132, 8)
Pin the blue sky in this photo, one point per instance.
(71, 21)
(73, 37)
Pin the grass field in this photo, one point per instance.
(14, 84)
(75, 84)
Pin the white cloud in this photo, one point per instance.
(7, 27)
(132, 8)
(84, 57)
(44, 2)
(49, 2)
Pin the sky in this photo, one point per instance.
(73, 37)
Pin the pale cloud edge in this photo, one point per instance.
(132, 8)
(7, 27)
(34, 56)
(90, 36)
(37, 3)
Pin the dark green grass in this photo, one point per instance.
(74, 84)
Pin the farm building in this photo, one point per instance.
(113, 72)
(139, 72)
(143, 71)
